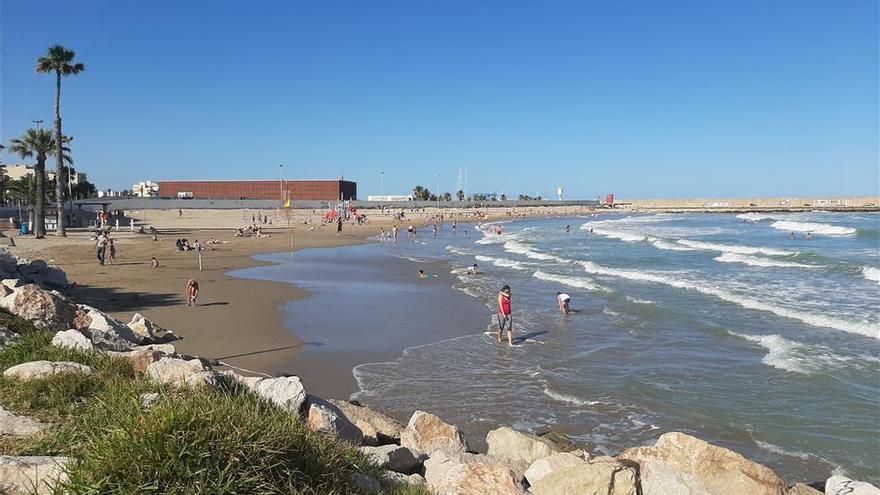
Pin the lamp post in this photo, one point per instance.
(438, 190)
(381, 183)
(38, 122)
(281, 182)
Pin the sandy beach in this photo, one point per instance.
(237, 320)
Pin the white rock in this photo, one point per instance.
(377, 427)
(426, 434)
(72, 339)
(508, 443)
(605, 475)
(105, 326)
(682, 464)
(180, 372)
(841, 485)
(391, 480)
(13, 425)
(12, 283)
(286, 392)
(36, 370)
(394, 458)
(31, 475)
(327, 419)
(45, 309)
(467, 474)
(149, 331)
(548, 465)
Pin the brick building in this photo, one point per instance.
(320, 190)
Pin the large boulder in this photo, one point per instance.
(394, 458)
(427, 434)
(45, 309)
(802, 489)
(682, 464)
(392, 480)
(560, 440)
(106, 332)
(508, 443)
(601, 475)
(841, 485)
(377, 427)
(549, 465)
(467, 474)
(141, 359)
(72, 339)
(181, 372)
(43, 274)
(148, 331)
(327, 419)
(37, 370)
(286, 392)
(31, 475)
(13, 425)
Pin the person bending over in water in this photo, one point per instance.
(472, 270)
(154, 263)
(564, 300)
(505, 318)
(422, 274)
(192, 292)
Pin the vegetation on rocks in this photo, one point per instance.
(190, 441)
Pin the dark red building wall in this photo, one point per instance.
(323, 190)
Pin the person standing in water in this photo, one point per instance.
(564, 300)
(505, 318)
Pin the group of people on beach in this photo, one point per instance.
(104, 244)
(505, 311)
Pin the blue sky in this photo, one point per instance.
(643, 99)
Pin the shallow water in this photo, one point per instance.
(717, 325)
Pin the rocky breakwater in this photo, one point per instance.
(425, 452)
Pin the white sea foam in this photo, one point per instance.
(623, 236)
(569, 399)
(734, 248)
(762, 262)
(636, 300)
(871, 273)
(577, 282)
(781, 353)
(755, 217)
(868, 329)
(520, 248)
(669, 246)
(815, 228)
(501, 262)
(769, 447)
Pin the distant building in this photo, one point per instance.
(110, 193)
(390, 198)
(15, 172)
(314, 190)
(145, 189)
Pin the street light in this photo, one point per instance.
(381, 183)
(281, 182)
(438, 190)
(38, 122)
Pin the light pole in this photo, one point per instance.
(38, 122)
(381, 183)
(281, 182)
(438, 190)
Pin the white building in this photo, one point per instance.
(145, 189)
(15, 172)
(391, 197)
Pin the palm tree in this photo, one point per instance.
(37, 143)
(460, 195)
(58, 60)
(23, 190)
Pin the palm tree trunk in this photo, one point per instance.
(59, 160)
(40, 199)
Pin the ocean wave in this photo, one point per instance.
(569, 399)
(735, 248)
(577, 282)
(520, 248)
(755, 217)
(867, 329)
(762, 262)
(636, 300)
(670, 246)
(871, 273)
(781, 352)
(501, 262)
(623, 236)
(775, 449)
(814, 228)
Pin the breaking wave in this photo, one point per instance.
(762, 262)
(781, 353)
(814, 228)
(577, 282)
(871, 273)
(734, 248)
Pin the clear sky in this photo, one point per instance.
(640, 98)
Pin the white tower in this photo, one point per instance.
(559, 193)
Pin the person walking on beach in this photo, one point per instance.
(339, 225)
(112, 246)
(505, 318)
(564, 300)
(101, 247)
(192, 292)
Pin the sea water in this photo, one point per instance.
(733, 328)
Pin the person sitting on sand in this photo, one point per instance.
(192, 292)
(472, 270)
(505, 317)
(564, 300)
(154, 263)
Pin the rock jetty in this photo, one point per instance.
(426, 451)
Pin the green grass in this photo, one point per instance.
(191, 442)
